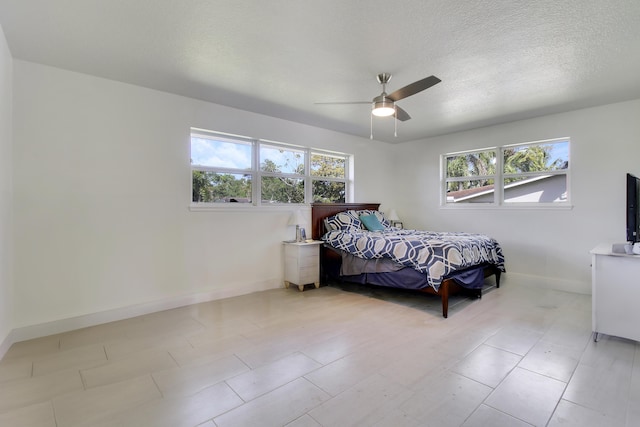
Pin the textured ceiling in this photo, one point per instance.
(498, 60)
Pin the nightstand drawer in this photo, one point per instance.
(308, 261)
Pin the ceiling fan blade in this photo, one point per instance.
(342, 103)
(402, 115)
(413, 88)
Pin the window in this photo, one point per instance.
(535, 173)
(470, 176)
(282, 174)
(221, 169)
(329, 178)
(232, 169)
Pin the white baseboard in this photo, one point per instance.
(93, 319)
(6, 344)
(565, 285)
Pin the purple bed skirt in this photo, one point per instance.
(408, 278)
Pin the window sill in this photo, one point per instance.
(244, 207)
(516, 207)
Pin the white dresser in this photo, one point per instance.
(302, 263)
(615, 293)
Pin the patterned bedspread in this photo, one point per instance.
(437, 254)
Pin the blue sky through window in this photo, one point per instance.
(220, 153)
(560, 150)
(287, 160)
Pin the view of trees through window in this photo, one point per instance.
(529, 173)
(282, 174)
(222, 172)
(329, 178)
(479, 167)
(210, 187)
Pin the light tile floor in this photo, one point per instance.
(326, 357)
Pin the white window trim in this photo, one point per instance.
(498, 201)
(257, 174)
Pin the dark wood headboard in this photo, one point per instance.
(320, 211)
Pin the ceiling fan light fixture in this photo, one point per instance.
(383, 108)
(384, 105)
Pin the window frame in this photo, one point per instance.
(346, 180)
(257, 174)
(498, 201)
(446, 180)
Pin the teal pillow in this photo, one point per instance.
(371, 222)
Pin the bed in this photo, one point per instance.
(381, 257)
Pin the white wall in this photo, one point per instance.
(6, 193)
(549, 247)
(102, 188)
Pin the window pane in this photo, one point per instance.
(471, 164)
(277, 189)
(329, 191)
(212, 187)
(539, 189)
(327, 166)
(218, 152)
(472, 191)
(536, 158)
(282, 160)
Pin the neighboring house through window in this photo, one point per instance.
(529, 174)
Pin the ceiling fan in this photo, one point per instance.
(385, 105)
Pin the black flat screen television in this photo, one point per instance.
(633, 209)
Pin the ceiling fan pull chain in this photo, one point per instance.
(371, 117)
(395, 127)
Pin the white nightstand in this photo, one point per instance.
(302, 263)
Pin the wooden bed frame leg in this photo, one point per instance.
(498, 272)
(445, 298)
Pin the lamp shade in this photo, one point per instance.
(393, 216)
(295, 218)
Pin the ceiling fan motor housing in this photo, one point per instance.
(383, 106)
